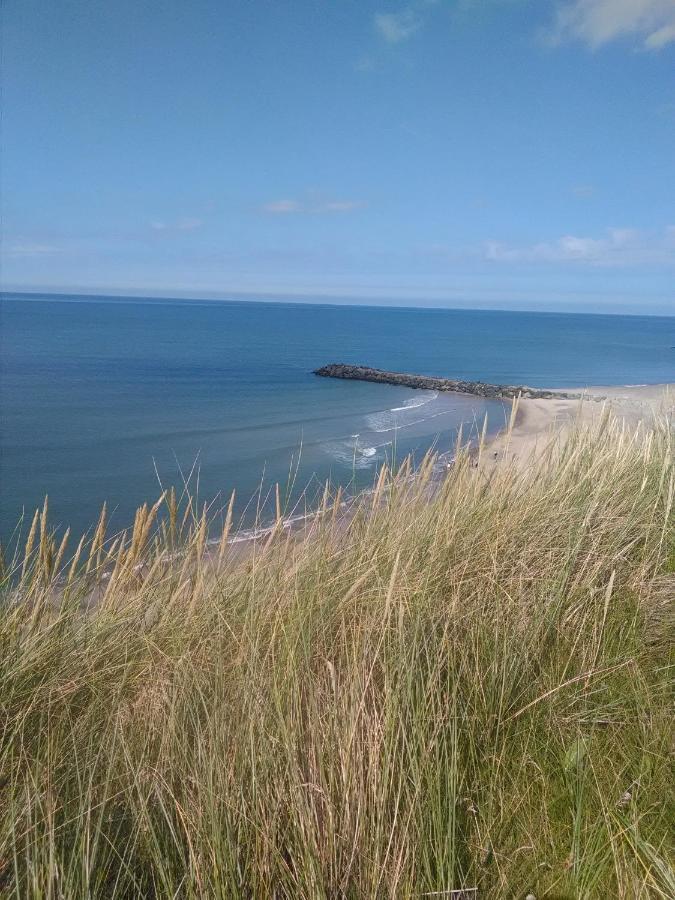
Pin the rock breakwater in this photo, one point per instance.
(430, 383)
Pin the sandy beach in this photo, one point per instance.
(538, 422)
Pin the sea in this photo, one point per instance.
(117, 398)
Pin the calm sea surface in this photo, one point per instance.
(103, 398)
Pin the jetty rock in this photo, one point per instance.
(430, 383)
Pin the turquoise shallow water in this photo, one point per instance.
(101, 397)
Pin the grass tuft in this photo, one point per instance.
(462, 690)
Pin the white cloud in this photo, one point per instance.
(618, 247)
(660, 37)
(597, 22)
(397, 27)
(290, 207)
(185, 224)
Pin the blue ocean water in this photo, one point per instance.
(103, 398)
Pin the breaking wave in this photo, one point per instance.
(352, 454)
(414, 402)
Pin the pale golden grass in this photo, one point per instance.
(459, 687)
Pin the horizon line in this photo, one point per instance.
(293, 299)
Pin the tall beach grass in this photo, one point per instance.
(463, 691)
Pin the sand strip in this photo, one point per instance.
(538, 422)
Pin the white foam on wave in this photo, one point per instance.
(379, 423)
(254, 534)
(352, 455)
(414, 402)
(346, 454)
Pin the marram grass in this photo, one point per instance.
(455, 692)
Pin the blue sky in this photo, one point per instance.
(493, 153)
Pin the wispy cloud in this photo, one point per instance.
(282, 207)
(339, 206)
(29, 248)
(617, 248)
(292, 207)
(583, 190)
(186, 223)
(661, 36)
(397, 27)
(598, 22)
(365, 64)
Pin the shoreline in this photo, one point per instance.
(538, 421)
(536, 424)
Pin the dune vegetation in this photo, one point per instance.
(457, 690)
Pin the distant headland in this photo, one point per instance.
(430, 383)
